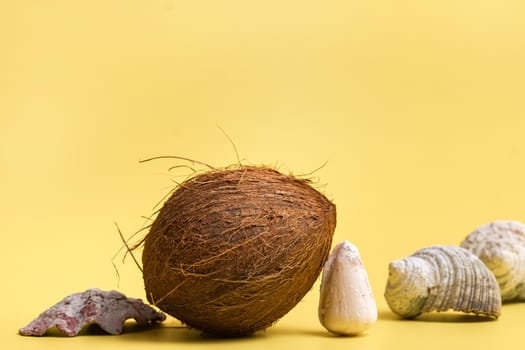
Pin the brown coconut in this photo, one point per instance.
(232, 251)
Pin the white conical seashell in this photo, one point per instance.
(441, 278)
(501, 246)
(346, 305)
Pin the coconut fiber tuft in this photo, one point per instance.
(232, 251)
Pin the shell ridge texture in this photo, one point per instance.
(501, 246)
(442, 278)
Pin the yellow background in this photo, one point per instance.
(418, 107)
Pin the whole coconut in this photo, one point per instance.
(233, 250)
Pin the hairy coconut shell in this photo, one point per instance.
(232, 251)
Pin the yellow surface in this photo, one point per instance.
(418, 107)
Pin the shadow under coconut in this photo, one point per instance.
(183, 334)
(438, 317)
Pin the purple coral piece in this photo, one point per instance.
(108, 309)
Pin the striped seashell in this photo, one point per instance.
(442, 278)
(501, 246)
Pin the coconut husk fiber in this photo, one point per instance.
(233, 250)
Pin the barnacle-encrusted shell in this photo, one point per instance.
(441, 278)
(501, 246)
(108, 309)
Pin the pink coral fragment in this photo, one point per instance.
(108, 309)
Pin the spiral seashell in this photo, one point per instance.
(501, 246)
(442, 278)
